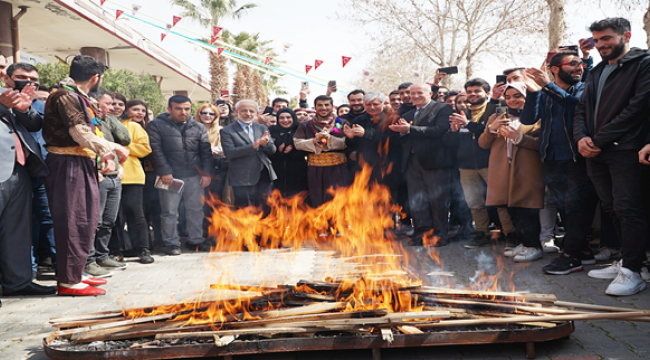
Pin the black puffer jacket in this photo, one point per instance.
(182, 154)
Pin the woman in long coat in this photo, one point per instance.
(515, 172)
(290, 164)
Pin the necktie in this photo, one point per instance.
(417, 117)
(20, 153)
(251, 135)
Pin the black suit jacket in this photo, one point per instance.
(23, 123)
(425, 139)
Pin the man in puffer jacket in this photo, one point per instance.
(181, 151)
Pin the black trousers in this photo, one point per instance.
(132, 214)
(616, 175)
(459, 213)
(575, 198)
(527, 225)
(254, 195)
(428, 199)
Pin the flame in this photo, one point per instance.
(354, 225)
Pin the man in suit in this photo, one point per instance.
(426, 161)
(20, 159)
(246, 144)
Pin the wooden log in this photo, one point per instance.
(393, 319)
(78, 323)
(209, 334)
(115, 324)
(311, 317)
(506, 308)
(628, 316)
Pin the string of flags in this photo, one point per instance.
(214, 38)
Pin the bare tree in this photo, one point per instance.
(451, 32)
(556, 23)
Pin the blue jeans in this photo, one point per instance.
(169, 201)
(110, 194)
(41, 222)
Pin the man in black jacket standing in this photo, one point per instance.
(611, 126)
(181, 150)
(426, 160)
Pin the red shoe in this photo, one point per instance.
(87, 291)
(94, 281)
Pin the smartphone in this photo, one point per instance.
(176, 185)
(571, 48)
(502, 110)
(502, 79)
(549, 55)
(449, 70)
(225, 93)
(331, 83)
(304, 84)
(591, 43)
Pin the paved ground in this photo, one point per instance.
(175, 278)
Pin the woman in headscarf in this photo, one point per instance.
(290, 165)
(515, 172)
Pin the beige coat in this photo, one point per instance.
(519, 184)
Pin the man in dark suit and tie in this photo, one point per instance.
(20, 159)
(246, 145)
(426, 161)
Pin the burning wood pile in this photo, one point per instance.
(373, 293)
(320, 309)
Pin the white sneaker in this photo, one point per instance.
(609, 272)
(550, 247)
(528, 254)
(514, 251)
(605, 253)
(626, 282)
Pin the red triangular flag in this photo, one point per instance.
(162, 36)
(101, 2)
(176, 20)
(307, 68)
(213, 39)
(346, 60)
(267, 60)
(118, 13)
(216, 30)
(318, 63)
(219, 51)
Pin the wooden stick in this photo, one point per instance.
(596, 307)
(529, 297)
(115, 324)
(312, 317)
(408, 329)
(99, 315)
(209, 334)
(629, 316)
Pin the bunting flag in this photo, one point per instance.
(307, 68)
(213, 39)
(430, 84)
(416, 76)
(366, 73)
(286, 47)
(162, 36)
(220, 50)
(101, 2)
(346, 60)
(216, 30)
(118, 13)
(175, 20)
(168, 26)
(372, 81)
(267, 60)
(261, 50)
(136, 8)
(318, 63)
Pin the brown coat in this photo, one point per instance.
(519, 184)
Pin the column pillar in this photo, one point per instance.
(6, 33)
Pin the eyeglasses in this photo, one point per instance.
(573, 63)
(208, 113)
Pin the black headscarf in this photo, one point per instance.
(231, 115)
(283, 135)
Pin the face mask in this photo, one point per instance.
(20, 84)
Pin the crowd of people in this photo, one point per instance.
(93, 178)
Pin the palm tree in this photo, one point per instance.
(210, 13)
